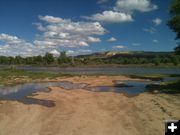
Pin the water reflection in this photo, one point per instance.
(21, 91)
(104, 70)
(130, 88)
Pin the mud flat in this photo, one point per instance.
(82, 112)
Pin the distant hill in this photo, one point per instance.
(113, 54)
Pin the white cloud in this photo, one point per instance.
(150, 30)
(119, 47)
(129, 6)
(112, 39)
(66, 33)
(122, 11)
(93, 40)
(10, 39)
(85, 51)
(70, 52)
(78, 52)
(55, 34)
(155, 41)
(157, 21)
(51, 19)
(13, 46)
(55, 53)
(110, 17)
(102, 1)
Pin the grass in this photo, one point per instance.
(13, 76)
(153, 77)
(172, 87)
(168, 87)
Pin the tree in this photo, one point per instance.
(63, 59)
(38, 59)
(174, 22)
(18, 60)
(175, 60)
(157, 60)
(48, 58)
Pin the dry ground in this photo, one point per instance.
(81, 112)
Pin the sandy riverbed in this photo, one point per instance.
(81, 112)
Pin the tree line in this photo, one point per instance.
(47, 59)
(174, 22)
(64, 60)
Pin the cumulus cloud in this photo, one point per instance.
(55, 33)
(110, 17)
(112, 39)
(122, 11)
(66, 33)
(134, 5)
(13, 46)
(119, 47)
(55, 53)
(78, 52)
(93, 39)
(157, 21)
(10, 39)
(51, 19)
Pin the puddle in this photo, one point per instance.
(130, 88)
(21, 91)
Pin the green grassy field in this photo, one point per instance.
(13, 76)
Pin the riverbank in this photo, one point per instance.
(33, 73)
(13, 76)
(79, 112)
(167, 65)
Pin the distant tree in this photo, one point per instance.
(135, 60)
(18, 60)
(29, 60)
(48, 58)
(175, 60)
(143, 61)
(38, 59)
(11, 60)
(63, 59)
(174, 22)
(157, 60)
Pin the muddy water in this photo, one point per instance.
(24, 92)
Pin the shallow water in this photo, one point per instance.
(106, 70)
(131, 88)
(22, 92)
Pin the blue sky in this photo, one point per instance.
(33, 27)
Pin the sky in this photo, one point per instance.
(34, 27)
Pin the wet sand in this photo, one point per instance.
(82, 112)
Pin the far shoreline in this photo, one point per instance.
(97, 66)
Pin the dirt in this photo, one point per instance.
(82, 112)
